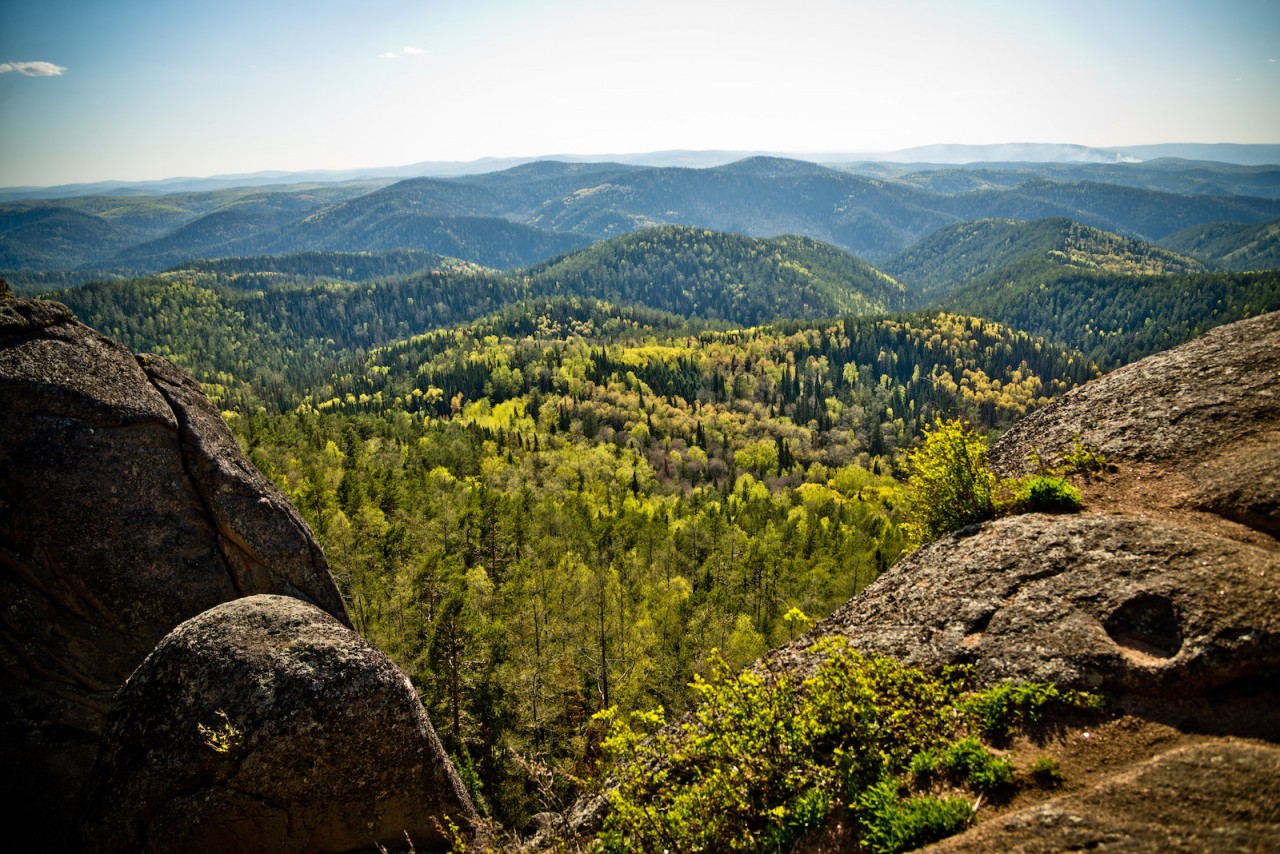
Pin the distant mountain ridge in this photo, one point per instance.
(1245, 155)
(536, 211)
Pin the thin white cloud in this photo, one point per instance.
(32, 69)
(391, 54)
(413, 51)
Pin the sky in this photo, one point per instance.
(136, 90)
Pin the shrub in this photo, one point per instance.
(949, 485)
(1048, 494)
(924, 766)
(996, 712)
(1082, 458)
(762, 760)
(969, 761)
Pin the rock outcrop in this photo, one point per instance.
(1218, 796)
(126, 508)
(1164, 594)
(1205, 415)
(1118, 603)
(327, 749)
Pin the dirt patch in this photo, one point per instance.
(1163, 493)
(1197, 794)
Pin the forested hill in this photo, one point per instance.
(832, 382)
(272, 334)
(716, 276)
(1115, 298)
(952, 257)
(1230, 245)
(1114, 318)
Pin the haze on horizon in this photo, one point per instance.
(93, 91)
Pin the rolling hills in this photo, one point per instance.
(275, 324)
(536, 211)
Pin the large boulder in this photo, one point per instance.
(126, 507)
(1118, 603)
(327, 747)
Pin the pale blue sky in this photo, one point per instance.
(152, 89)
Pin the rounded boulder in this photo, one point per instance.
(265, 724)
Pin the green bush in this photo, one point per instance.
(969, 761)
(1048, 494)
(924, 767)
(996, 712)
(763, 760)
(1082, 458)
(949, 485)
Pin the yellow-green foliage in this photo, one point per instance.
(950, 485)
(1083, 458)
(764, 759)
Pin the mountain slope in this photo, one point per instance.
(951, 257)
(220, 232)
(41, 236)
(1230, 245)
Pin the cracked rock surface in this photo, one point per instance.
(126, 508)
(332, 750)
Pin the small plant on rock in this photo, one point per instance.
(1048, 494)
(1083, 458)
(1047, 772)
(225, 739)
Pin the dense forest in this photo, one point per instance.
(562, 508)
